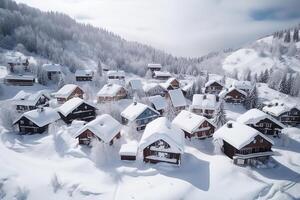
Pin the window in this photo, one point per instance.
(21, 122)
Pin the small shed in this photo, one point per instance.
(129, 151)
(53, 70)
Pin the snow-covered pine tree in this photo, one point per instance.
(288, 83)
(282, 84)
(287, 37)
(295, 90)
(248, 76)
(296, 35)
(251, 101)
(220, 115)
(170, 111)
(99, 69)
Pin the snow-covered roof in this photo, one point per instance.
(162, 129)
(276, 110)
(118, 73)
(168, 82)
(17, 59)
(29, 99)
(84, 72)
(177, 98)
(151, 86)
(224, 92)
(205, 101)
(71, 105)
(41, 117)
(254, 115)
(66, 90)
(154, 65)
(136, 84)
(158, 101)
(242, 85)
(52, 67)
(208, 83)
(162, 74)
(104, 126)
(189, 121)
(239, 135)
(134, 110)
(20, 77)
(129, 149)
(109, 90)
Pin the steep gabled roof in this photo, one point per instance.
(177, 98)
(66, 91)
(104, 126)
(110, 90)
(28, 99)
(253, 116)
(213, 81)
(189, 121)
(41, 117)
(276, 110)
(134, 110)
(159, 102)
(239, 135)
(205, 101)
(242, 85)
(162, 129)
(223, 93)
(71, 105)
(136, 84)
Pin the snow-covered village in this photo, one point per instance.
(86, 114)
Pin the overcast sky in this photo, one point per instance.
(182, 27)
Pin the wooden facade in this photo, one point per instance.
(86, 137)
(205, 130)
(84, 112)
(19, 81)
(214, 88)
(160, 151)
(42, 101)
(235, 97)
(26, 126)
(76, 93)
(121, 94)
(84, 78)
(267, 127)
(291, 117)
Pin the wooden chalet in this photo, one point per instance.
(245, 86)
(129, 151)
(205, 105)
(67, 92)
(152, 89)
(159, 103)
(84, 75)
(243, 144)
(19, 80)
(36, 121)
(194, 126)
(160, 75)
(116, 76)
(104, 128)
(233, 95)
(21, 61)
(288, 115)
(261, 121)
(77, 109)
(177, 99)
(53, 71)
(213, 87)
(138, 115)
(162, 142)
(111, 92)
(26, 101)
(154, 67)
(171, 84)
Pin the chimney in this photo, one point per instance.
(229, 125)
(134, 103)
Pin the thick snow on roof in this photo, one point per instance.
(254, 115)
(188, 121)
(162, 129)
(168, 82)
(20, 77)
(84, 72)
(205, 101)
(134, 110)
(177, 98)
(116, 73)
(52, 67)
(41, 117)
(154, 65)
(223, 93)
(70, 105)
(158, 101)
(162, 74)
(242, 85)
(110, 90)
(129, 149)
(239, 135)
(212, 81)
(25, 98)
(104, 126)
(152, 86)
(276, 110)
(136, 84)
(66, 90)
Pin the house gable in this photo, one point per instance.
(147, 113)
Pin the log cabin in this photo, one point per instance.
(138, 115)
(213, 87)
(26, 101)
(19, 80)
(262, 122)
(194, 126)
(67, 92)
(84, 75)
(154, 67)
(162, 142)
(243, 144)
(53, 71)
(233, 95)
(36, 121)
(104, 128)
(116, 76)
(171, 84)
(245, 86)
(77, 109)
(111, 92)
(205, 105)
